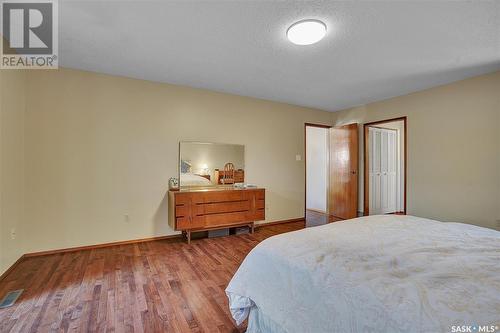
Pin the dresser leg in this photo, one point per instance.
(189, 236)
(252, 228)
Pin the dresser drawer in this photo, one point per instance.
(260, 194)
(182, 211)
(222, 207)
(187, 223)
(182, 198)
(218, 196)
(216, 220)
(260, 215)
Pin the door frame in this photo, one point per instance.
(305, 165)
(366, 171)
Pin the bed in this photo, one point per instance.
(191, 179)
(385, 273)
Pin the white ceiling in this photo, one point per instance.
(373, 50)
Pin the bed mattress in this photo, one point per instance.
(384, 273)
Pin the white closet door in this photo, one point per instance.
(391, 173)
(384, 164)
(375, 153)
(383, 171)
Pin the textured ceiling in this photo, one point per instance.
(372, 51)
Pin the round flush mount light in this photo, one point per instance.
(306, 32)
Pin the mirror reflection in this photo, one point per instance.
(211, 164)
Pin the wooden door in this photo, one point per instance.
(343, 196)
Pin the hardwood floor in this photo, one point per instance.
(158, 286)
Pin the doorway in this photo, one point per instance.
(331, 173)
(317, 139)
(385, 167)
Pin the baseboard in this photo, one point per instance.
(300, 219)
(395, 213)
(317, 211)
(98, 246)
(133, 241)
(127, 242)
(83, 248)
(11, 268)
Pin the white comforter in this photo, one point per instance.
(190, 179)
(372, 274)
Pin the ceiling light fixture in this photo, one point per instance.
(306, 32)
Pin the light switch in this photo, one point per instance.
(298, 157)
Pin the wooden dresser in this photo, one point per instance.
(215, 208)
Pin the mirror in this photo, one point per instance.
(210, 164)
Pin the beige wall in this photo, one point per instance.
(99, 147)
(12, 108)
(453, 148)
(80, 150)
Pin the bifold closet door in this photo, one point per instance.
(375, 179)
(390, 173)
(383, 170)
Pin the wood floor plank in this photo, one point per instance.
(157, 286)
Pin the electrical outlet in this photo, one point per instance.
(126, 218)
(13, 233)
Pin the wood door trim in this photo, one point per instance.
(306, 125)
(317, 125)
(383, 128)
(366, 181)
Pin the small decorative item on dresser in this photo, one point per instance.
(173, 184)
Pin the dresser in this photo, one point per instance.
(215, 208)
